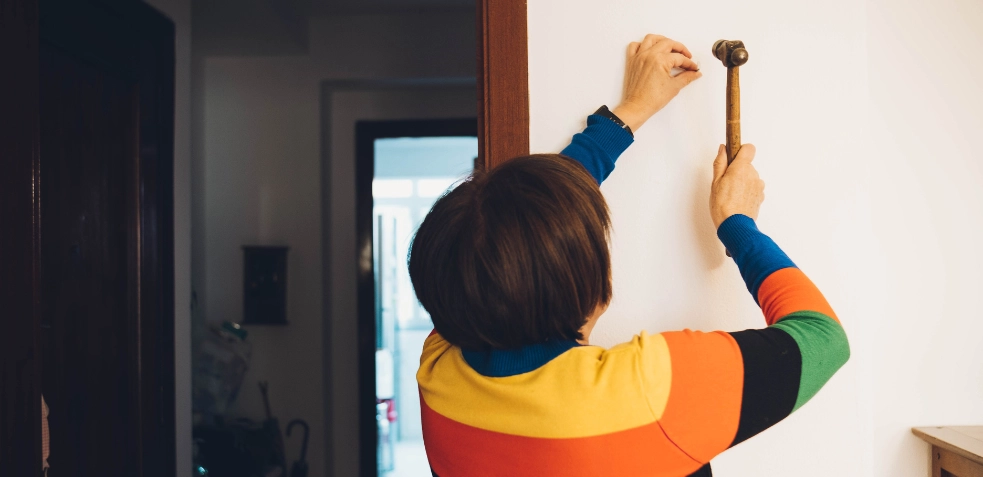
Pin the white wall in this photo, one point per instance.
(179, 11)
(262, 188)
(923, 178)
(261, 135)
(863, 120)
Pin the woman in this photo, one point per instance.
(513, 267)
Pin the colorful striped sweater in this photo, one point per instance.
(658, 405)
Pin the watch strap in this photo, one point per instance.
(604, 111)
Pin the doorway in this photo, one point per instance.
(274, 61)
(402, 168)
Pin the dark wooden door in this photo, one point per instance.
(106, 125)
(89, 273)
(20, 384)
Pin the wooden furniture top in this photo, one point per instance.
(966, 441)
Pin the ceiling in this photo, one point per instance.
(279, 27)
(322, 7)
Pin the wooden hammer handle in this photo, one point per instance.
(733, 113)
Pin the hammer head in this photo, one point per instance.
(730, 52)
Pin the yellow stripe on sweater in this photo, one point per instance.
(586, 391)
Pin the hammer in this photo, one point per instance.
(733, 55)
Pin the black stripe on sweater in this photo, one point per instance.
(702, 472)
(772, 369)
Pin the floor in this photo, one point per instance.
(410, 460)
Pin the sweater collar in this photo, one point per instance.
(502, 363)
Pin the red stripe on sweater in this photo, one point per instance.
(459, 450)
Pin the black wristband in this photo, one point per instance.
(604, 111)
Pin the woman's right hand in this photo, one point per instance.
(736, 188)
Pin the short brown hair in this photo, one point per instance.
(515, 256)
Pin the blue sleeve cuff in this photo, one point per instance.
(756, 254)
(599, 146)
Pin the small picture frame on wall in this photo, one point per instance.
(264, 285)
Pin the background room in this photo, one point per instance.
(279, 91)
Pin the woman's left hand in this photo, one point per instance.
(649, 84)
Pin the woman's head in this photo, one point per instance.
(515, 256)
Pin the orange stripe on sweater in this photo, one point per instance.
(789, 290)
(459, 450)
(704, 405)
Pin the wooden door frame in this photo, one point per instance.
(503, 81)
(20, 363)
